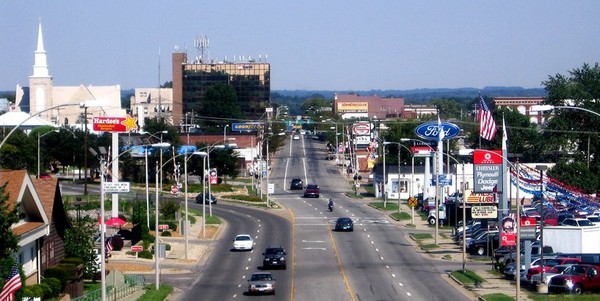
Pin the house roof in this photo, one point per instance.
(46, 190)
(20, 190)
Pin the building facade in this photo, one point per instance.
(522, 105)
(152, 103)
(251, 81)
(368, 107)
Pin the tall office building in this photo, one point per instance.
(251, 81)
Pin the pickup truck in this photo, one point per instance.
(583, 277)
(549, 264)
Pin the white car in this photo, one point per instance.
(243, 242)
(296, 137)
(555, 270)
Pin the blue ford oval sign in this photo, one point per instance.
(430, 130)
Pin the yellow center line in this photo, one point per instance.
(339, 261)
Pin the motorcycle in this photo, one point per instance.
(330, 206)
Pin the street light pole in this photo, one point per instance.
(384, 178)
(225, 134)
(541, 168)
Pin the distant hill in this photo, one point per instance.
(419, 95)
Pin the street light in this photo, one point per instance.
(38, 150)
(399, 162)
(204, 155)
(186, 222)
(225, 134)
(542, 168)
(543, 108)
(161, 151)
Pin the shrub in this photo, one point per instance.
(166, 233)
(145, 254)
(58, 273)
(168, 247)
(46, 290)
(34, 291)
(73, 260)
(54, 285)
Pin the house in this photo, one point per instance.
(53, 245)
(42, 221)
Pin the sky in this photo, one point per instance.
(310, 44)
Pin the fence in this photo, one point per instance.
(130, 285)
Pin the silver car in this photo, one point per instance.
(555, 270)
(261, 283)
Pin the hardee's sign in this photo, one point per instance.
(114, 124)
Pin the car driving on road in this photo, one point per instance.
(312, 191)
(261, 282)
(296, 184)
(243, 242)
(274, 257)
(344, 224)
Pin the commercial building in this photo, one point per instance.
(251, 81)
(522, 105)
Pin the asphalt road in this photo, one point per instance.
(375, 262)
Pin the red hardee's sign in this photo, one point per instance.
(114, 124)
(361, 128)
(481, 156)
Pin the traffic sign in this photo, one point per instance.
(271, 188)
(445, 180)
(137, 248)
(174, 189)
(412, 201)
(116, 187)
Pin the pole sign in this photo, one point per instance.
(114, 124)
(361, 129)
(487, 170)
(484, 211)
(431, 131)
(445, 180)
(471, 197)
(116, 187)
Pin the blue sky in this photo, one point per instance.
(328, 45)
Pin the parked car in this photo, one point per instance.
(296, 184)
(577, 222)
(344, 224)
(274, 257)
(584, 277)
(261, 282)
(550, 264)
(484, 244)
(312, 191)
(209, 198)
(243, 242)
(555, 270)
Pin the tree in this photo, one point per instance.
(571, 132)
(79, 243)
(10, 242)
(225, 160)
(220, 105)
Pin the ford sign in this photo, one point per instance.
(430, 131)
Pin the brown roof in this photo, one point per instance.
(15, 181)
(26, 227)
(46, 190)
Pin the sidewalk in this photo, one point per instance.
(175, 261)
(449, 250)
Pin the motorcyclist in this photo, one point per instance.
(330, 205)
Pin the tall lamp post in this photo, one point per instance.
(225, 134)
(38, 150)
(542, 168)
(186, 221)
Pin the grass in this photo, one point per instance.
(560, 297)
(156, 295)
(429, 246)
(497, 297)
(468, 277)
(209, 219)
(389, 206)
(402, 216)
(419, 236)
(91, 286)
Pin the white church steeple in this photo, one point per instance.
(40, 67)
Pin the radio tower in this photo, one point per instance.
(202, 43)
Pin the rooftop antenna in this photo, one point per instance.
(201, 43)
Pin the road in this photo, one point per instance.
(375, 262)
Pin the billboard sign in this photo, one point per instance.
(114, 124)
(487, 171)
(247, 126)
(353, 107)
(430, 130)
(487, 211)
(471, 197)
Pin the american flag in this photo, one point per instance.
(487, 126)
(109, 247)
(13, 284)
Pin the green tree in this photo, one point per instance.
(226, 162)
(9, 245)
(79, 243)
(570, 132)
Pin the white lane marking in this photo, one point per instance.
(324, 249)
(313, 241)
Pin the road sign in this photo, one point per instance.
(163, 227)
(116, 187)
(412, 201)
(174, 189)
(137, 248)
(445, 180)
(271, 188)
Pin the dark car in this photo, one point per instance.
(312, 191)
(209, 198)
(344, 224)
(274, 257)
(296, 184)
(485, 244)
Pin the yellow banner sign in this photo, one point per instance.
(471, 197)
(353, 107)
